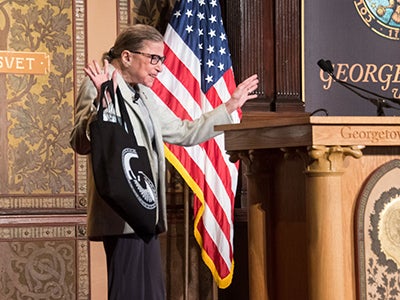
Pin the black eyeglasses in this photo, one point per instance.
(154, 58)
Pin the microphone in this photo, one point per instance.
(326, 66)
(379, 101)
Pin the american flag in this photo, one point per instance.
(198, 77)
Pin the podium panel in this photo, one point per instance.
(305, 178)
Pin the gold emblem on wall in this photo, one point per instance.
(381, 16)
(389, 230)
(377, 221)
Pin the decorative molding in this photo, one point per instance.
(123, 14)
(83, 270)
(328, 159)
(42, 260)
(80, 62)
(288, 76)
(29, 202)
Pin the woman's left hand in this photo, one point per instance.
(243, 92)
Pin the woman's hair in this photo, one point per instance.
(132, 39)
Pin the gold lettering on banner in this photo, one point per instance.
(374, 136)
(387, 75)
(14, 62)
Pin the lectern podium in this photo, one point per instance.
(304, 180)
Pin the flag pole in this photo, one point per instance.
(187, 232)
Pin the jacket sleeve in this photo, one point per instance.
(188, 132)
(84, 114)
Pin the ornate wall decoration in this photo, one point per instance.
(41, 260)
(151, 12)
(377, 235)
(36, 109)
(44, 254)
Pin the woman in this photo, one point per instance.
(134, 266)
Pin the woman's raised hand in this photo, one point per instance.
(99, 75)
(243, 92)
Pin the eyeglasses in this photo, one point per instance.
(154, 58)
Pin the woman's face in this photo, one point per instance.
(140, 67)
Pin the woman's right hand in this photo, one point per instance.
(100, 75)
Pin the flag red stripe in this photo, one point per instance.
(210, 147)
(174, 104)
(209, 196)
(213, 97)
(182, 74)
(214, 153)
(205, 167)
(213, 252)
(230, 80)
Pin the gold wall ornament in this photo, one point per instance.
(377, 233)
(381, 17)
(38, 109)
(389, 230)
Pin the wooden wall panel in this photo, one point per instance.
(264, 36)
(250, 45)
(288, 55)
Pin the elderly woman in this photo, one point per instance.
(133, 265)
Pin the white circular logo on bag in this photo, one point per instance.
(141, 185)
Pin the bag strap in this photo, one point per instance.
(108, 86)
(100, 110)
(124, 112)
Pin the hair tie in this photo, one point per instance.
(111, 53)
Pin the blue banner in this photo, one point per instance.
(361, 39)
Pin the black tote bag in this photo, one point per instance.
(121, 168)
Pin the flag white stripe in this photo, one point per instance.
(183, 52)
(193, 109)
(218, 191)
(212, 177)
(198, 156)
(222, 244)
(180, 92)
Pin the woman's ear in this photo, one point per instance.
(126, 58)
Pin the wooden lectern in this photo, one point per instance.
(304, 175)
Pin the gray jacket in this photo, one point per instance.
(102, 220)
